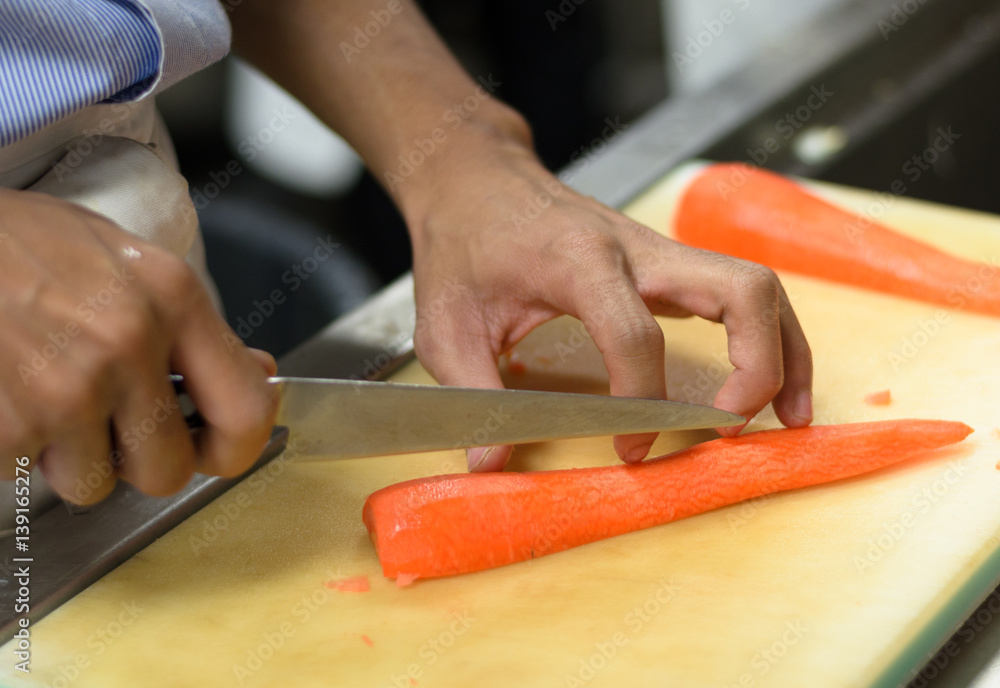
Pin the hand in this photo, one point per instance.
(93, 320)
(506, 274)
(485, 279)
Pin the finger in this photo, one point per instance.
(631, 343)
(225, 382)
(793, 404)
(156, 450)
(77, 466)
(746, 298)
(265, 359)
(461, 357)
(18, 437)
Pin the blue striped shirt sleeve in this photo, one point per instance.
(59, 57)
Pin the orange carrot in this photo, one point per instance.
(759, 216)
(450, 524)
(883, 397)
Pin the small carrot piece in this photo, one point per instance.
(404, 579)
(451, 524)
(759, 216)
(353, 584)
(882, 397)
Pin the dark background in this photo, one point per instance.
(597, 63)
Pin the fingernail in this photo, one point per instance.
(637, 454)
(730, 430)
(803, 409)
(477, 456)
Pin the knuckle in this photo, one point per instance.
(128, 330)
(771, 382)
(69, 399)
(587, 247)
(637, 335)
(172, 274)
(163, 483)
(754, 280)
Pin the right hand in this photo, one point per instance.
(92, 321)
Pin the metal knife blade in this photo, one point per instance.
(340, 419)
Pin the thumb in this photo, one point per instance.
(467, 360)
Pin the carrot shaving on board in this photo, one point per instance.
(404, 579)
(353, 584)
(881, 398)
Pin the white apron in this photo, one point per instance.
(117, 160)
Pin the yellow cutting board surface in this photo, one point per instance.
(829, 586)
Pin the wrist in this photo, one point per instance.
(445, 158)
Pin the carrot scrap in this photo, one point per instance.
(517, 367)
(452, 524)
(881, 398)
(404, 579)
(760, 216)
(353, 584)
(368, 641)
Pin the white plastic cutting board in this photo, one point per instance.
(849, 584)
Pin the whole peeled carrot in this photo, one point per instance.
(749, 213)
(452, 524)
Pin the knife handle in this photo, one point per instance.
(192, 417)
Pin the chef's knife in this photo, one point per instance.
(342, 419)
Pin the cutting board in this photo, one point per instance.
(849, 584)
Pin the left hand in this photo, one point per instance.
(486, 275)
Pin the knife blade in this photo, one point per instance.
(342, 419)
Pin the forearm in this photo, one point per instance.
(400, 94)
